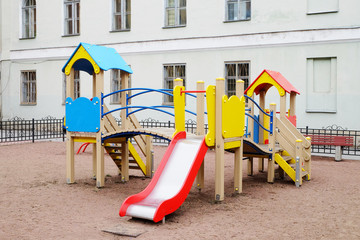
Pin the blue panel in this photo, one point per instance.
(82, 115)
(256, 130)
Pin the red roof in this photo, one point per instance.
(278, 78)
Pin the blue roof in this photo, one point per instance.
(106, 58)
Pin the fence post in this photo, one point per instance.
(33, 130)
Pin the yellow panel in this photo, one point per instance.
(210, 103)
(233, 116)
(266, 125)
(285, 166)
(137, 157)
(81, 53)
(179, 109)
(231, 145)
(265, 79)
(84, 139)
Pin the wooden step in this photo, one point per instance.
(286, 158)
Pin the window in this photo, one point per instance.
(322, 6)
(116, 85)
(237, 10)
(72, 17)
(122, 15)
(321, 85)
(28, 18)
(233, 72)
(171, 72)
(175, 13)
(76, 84)
(28, 87)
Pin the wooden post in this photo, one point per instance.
(261, 131)
(200, 130)
(299, 162)
(100, 171)
(149, 155)
(250, 120)
(178, 82)
(251, 132)
(307, 163)
(219, 141)
(250, 166)
(124, 85)
(70, 171)
(125, 124)
(292, 110)
(70, 163)
(238, 156)
(283, 106)
(261, 116)
(271, 159)
(94, 144)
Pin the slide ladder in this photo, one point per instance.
(114, 146)
(295, 156)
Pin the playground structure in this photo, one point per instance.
(91, 121)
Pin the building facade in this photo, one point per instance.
(315, 44)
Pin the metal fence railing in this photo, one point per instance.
(18, 129)
(334, 131)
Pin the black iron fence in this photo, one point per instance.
(18, 129)
(334, 130)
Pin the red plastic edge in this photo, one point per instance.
(171, 205)
(142, 195)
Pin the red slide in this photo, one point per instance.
(172, 180)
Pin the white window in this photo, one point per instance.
(175, 13)
(171, 72)
(237, 10)
(236, 71)
(28, 18)
(72, 17)
(76, 84)
(116, 85)
(322, 6)
(121, 15)
(28, 87)
(321, 85)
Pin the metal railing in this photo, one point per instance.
(334, 130)
(18, 129)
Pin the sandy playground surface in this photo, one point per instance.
(36, 202)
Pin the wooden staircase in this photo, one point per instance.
(121, 148)
(295, 159)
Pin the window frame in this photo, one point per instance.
(27, 92)
(28, 30)
(177, 9)
(169, 81)
(125, 15)
(75, 19)
(116, 98)
(238, 10)
(237, 76)
(314, 98)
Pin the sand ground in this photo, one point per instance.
(36, 202)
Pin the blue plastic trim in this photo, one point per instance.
(258, 123)
(152, 108)
(141, 107)
(146, 90)
(132, 134)
(257, 105)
